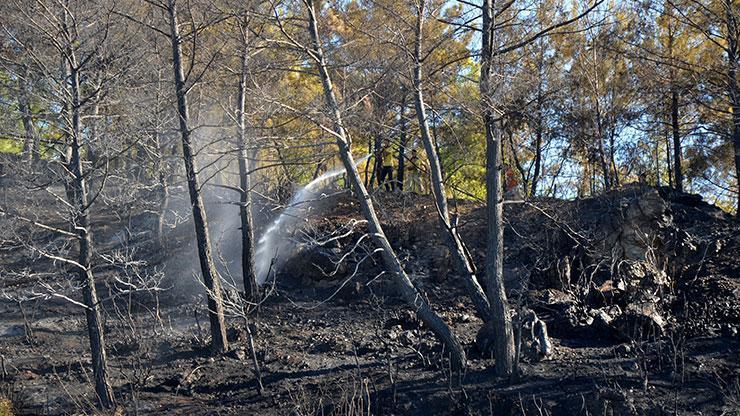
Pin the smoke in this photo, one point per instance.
(223, 217)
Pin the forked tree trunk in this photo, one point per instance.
(219, 343)
(462, 260)
(245, 201)
(77, 190)
(405, 287)
(502, 328)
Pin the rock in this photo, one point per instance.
(642, 214)
(640, 321)
(571, 321)
(28, 375)
(603, 321)
(366, 348)
(643, 279)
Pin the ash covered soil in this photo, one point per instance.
(640, 290)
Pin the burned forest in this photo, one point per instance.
(369, 207)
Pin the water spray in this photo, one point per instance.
(273, 240)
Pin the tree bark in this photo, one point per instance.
(391, 262)
(219, 343)
(245, 202)
(502, 327)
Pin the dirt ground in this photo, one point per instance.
(362, 352)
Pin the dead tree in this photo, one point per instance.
(200, 220)
(67, 34)
(77, 189)
(502, 328)
(245, 187)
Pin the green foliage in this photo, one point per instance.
(10, 146)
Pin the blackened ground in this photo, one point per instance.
(362, 352)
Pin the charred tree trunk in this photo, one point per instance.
(245, 202)
(391, 262)
(675, 128)
(77, 190)
(668, 158)
(403, 142)
(462, 260)
(502, 327)
(602, 152)
(537, 142)
(208, 269)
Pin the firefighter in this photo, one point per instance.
(511, 183)
(387, 166)
(413, 173)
